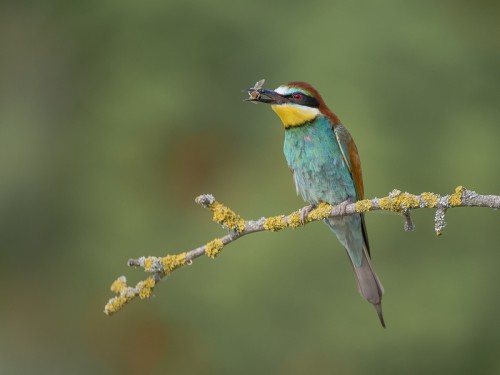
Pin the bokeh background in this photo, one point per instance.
(114, 116)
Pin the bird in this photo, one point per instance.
(326, 167)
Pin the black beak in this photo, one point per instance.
(265, 96)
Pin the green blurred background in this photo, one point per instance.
(114, 116)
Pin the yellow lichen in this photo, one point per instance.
(171, 262)
(115, 304)
(456, 198)
(125, 295)
(398, 201)
(146, 288)
(225, 216)
(406, 200)
(213, 248)
(143, 289)
(118, 285)
(363, 206)
(323, 210)
(148, 262)
(430, 199)
(295, 219)
(385, 203)
(275, 223)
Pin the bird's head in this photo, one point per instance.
(296, 103)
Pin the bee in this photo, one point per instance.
(254, 91)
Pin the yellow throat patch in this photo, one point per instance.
(295, 115)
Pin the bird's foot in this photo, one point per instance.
(342, 206)
(305, 211)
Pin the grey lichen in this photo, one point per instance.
(205, 200)
(439, 222)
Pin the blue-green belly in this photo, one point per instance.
(320, 174)
(319, 171)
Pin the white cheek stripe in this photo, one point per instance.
(283, 90)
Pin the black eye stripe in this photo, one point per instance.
(306, 100)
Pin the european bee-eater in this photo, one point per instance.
(326, 168)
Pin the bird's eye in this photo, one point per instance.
(297, 96)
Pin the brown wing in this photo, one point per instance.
(353, 163)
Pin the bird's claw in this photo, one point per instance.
(343, 206)
(305, 211)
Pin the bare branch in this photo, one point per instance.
(396, 201)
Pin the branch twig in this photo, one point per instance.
(396, 201)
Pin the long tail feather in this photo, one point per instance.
(351, 233)
(369, 285)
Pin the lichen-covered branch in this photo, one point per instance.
(396, 201)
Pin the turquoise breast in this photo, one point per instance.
(319, 171)
(320, 174)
